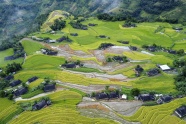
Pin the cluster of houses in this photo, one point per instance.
(151, 97)
(152, 72)
(17, 89)
(111, 95)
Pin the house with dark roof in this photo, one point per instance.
(52, 53)
(9, 77)
(41, 104)
(32, 79)
(118, 58)
(101, 96)
(9, 58)
(74, 34)
(113, 95)
(172, 51)
(146, 97)
(69, 65)
(164, 99)
(20, 91)
(15, 83)
(153, 72)
(133, 48)
(49, 87)
(181, 111)
(152, 48)
(91, 24)
(138, 70)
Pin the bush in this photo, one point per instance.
(135, 92)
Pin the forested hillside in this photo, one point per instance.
(18, 16)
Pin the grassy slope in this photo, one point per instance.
(6, 53)
(62, 110)
(31, 47)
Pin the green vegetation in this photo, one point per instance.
(31, 47)
(6, 53)
(63, 106)
(84, 69)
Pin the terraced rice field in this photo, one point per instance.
(160, 114)
(63, 110)
(8, 110)
(6, 53)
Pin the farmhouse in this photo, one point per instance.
(70, 65)
(133, 48)
(41, 104)
(138, 70)
(172, 51)
(146, 97)
(74, 34)
(51, 41)
(91, 24)
(20, 91)
(164, 67)
(113, 95)
(153, 72)
(152, 48)
(181, 111)
(9, 77)
(49, 87)
(9, 58)
(101, 96)
(164, 99)
(118, 58)
(123, 42)
(32, 79)
(15, 83)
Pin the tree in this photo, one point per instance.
(58, 25)
(180, 52)
(135, 92)
(2, 94)
(10, 96)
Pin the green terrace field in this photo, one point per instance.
(63, 110)
(8, 110)
(31, 47)
(160, 114)
(6, 53)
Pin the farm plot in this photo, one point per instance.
(160, 114)
(62, 110)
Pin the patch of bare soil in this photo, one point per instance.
(124, 107)
(99, 110)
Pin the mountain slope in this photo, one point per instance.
(18, 17)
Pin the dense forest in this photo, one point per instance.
(20, 17)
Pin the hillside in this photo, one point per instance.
(18, 16)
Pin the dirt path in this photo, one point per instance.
(86, 89)
(118, 77)
(37, 96)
